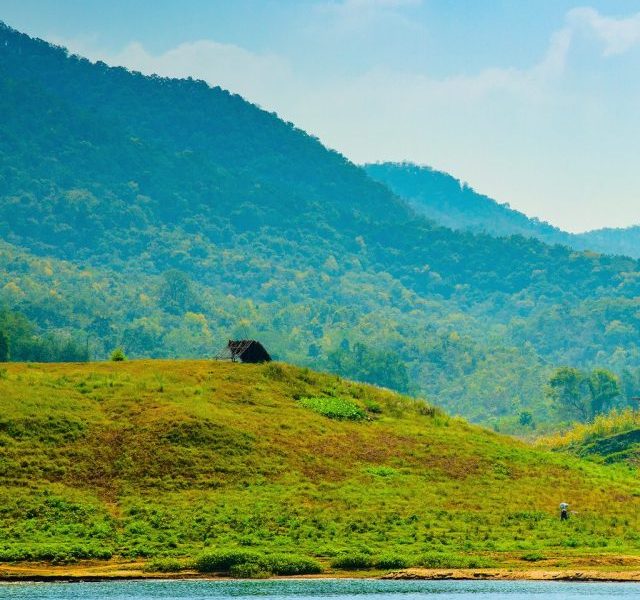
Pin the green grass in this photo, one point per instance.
(610, 438)
(335, 408)
(175, 460)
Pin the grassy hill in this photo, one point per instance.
(174, 458)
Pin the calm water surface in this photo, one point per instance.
(317, 589)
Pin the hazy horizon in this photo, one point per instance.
(534, 106)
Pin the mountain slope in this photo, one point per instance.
(454, 204)
(188, 215)
(141, 459)
(117, 177)
(624, 241)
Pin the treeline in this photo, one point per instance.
(582, 395)
(20, 341)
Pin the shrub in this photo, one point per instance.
(334, 408)
(352, 562)
(164, 565)
(436, 560)
(54, 554)
(245, 564)
(280, 564)
(391, 561)
(118, 355)
(249, 571)
(372, 407)
(533, 557)
(222, 561)
(274, 371)
(381, 471)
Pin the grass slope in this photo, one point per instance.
(610, 438)
(173, 458)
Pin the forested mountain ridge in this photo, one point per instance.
(188, 214)
(454, 204)
(625, 241)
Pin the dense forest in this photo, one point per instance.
(164, 216)
(453, 203)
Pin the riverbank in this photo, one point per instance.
(122, 571)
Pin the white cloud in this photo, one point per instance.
(357, 15)
(618, 35)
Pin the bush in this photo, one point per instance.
(391, 561)
(280, 564)
(54, 554)
(242, 563)
(334, 408)
(118, 355)
(249, 571)
(381, 471)
(164, 565)
(352, 562)
(373, 407)
(222, 561)
(533, 557)
(439, 560)
(274, 371)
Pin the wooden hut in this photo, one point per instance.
(246, 351)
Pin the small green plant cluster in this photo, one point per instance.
(252, 565)
(451, 560)
(381, 471)
(118, 355)
(359, 561)
(54, 553)
(334, 408)
(533, 556)
(164, 565)
(274, 371)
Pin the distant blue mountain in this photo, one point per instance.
(454, 204)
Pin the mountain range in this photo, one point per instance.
(452, 203)
(165, 216)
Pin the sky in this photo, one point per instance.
(533, 102)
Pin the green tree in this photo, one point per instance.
(526, 419)
(176, 293)
(4, 347)
(604, 387)
(567, 392)
(581, 396)
(118, 355)
(371, 366)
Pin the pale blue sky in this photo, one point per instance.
(534, 102)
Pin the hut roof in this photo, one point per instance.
(250, 351)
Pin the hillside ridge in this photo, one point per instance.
(144, 459)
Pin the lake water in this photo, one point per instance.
(312, 589)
